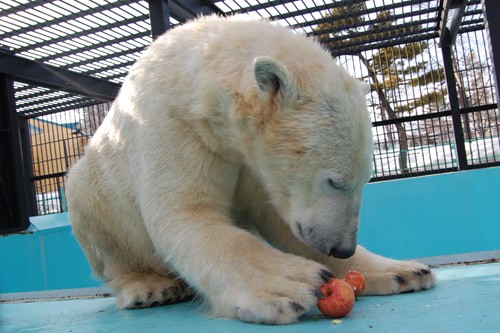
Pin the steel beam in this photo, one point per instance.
(34, 72)
(195, 7)
(159, 16)
(160, 12)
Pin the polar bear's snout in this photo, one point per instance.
(342, 252)
(327, 222)
(335, 241)
(339, 246)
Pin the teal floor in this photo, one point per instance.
(466, 299)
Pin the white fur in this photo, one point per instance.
(226, 131)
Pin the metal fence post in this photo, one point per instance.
(455, 107)
(491, 8)
(14, 215)
(24, 131)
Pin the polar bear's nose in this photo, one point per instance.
(341, 253)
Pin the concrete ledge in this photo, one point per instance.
(466, 299)
(58, 294)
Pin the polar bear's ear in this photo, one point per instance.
(273, 78)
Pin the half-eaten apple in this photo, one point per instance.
(337, 298)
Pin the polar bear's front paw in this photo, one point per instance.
(402, 276)
(274, 295)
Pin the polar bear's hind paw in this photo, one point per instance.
(142, 290)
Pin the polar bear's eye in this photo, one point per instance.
(301, 99)
(336, 184)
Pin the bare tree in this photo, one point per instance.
(474, 94)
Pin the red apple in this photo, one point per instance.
(338, 298)
(356, 280)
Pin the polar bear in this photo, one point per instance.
(231, 166)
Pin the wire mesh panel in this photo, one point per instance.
(483, 147)
(429, 148)
(409, 100)
(408, 103)
(57, 141)
(476, 92)
(50, 196)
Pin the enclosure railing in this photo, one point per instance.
(58, 145)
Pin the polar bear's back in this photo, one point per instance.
(222, 50)
(235, 37)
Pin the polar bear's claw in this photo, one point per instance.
(325, 275)
(422, 271)
(401, 280)
(297, 307)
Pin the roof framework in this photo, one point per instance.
(90, 45)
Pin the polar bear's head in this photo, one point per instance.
(312, 149)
